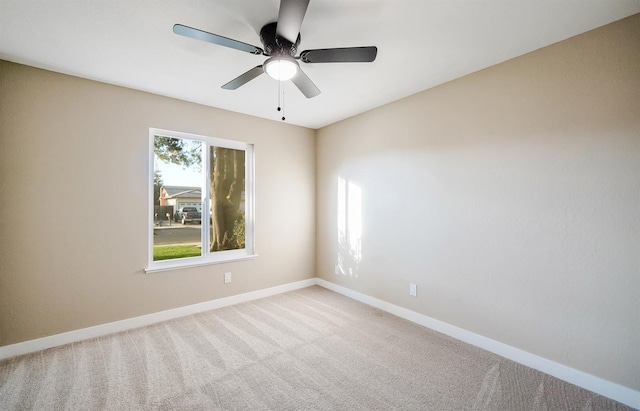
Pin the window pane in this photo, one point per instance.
(177, 174)
(227, 190)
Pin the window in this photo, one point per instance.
(201, 200)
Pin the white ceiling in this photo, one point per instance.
(421, 43)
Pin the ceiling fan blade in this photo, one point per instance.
(340, 55)
(304, 84)
(244, 78)
(290, 18)
(215, 39)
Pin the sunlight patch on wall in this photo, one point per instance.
(349, 219)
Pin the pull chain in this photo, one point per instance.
(283, 105)
(279, 95)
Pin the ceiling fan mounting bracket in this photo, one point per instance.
(275, 45)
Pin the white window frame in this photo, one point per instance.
(207, 256)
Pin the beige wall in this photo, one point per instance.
(69, 146)
(511, 197)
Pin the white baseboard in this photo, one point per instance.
(39, 344)
(592, 383)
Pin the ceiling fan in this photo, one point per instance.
(280, 41)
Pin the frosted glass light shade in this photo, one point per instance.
(281, 67)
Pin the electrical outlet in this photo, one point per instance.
(336, 269)
(227, 278)
(413, 289)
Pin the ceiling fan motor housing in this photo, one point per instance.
(274, 45)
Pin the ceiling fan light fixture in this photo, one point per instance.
(281, 68)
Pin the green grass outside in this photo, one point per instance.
(168, 252)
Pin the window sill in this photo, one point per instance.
(178, 265)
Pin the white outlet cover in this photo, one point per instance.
(413, 289)
(227, 278)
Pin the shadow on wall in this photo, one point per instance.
(349, 228)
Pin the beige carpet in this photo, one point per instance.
(310, 349)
